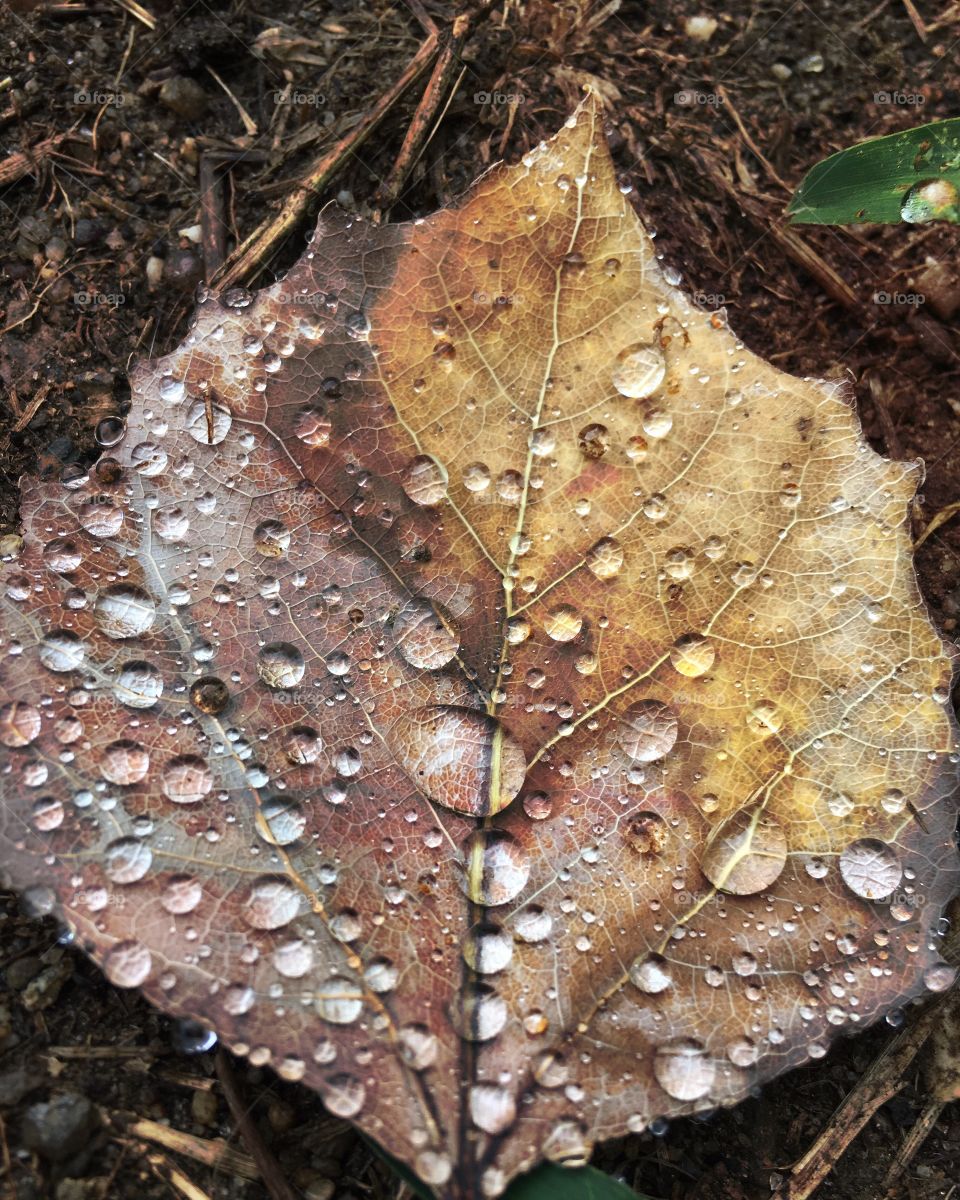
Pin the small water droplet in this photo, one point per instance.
(639, 371)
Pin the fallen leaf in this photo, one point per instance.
(480, 688)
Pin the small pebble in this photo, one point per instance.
(700, 28)
(184, 96)
(154, 271)
(59, 1128)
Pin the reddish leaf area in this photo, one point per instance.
(480, 688)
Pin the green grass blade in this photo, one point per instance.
(911, 176)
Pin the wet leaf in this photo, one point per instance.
(911, 176)
(480, 688)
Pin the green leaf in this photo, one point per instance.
(547, 1182)
(911, 176)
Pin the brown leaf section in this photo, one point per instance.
(480, 688)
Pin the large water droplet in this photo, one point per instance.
(563, 624)
(343, 1095)
(208, 423)
(494, 867)
(186, 779)
(127, 860)
(139, 685)
(424, 480)
(426, 635)
(648, 730)
(931, 200)
(280, 665)
(460, 758)
(339, 1000)
(124, 611)
(482, 1013)
(492, 1108)
(127, 964)
(651, 974)
(19, 724)
(870, 868)
(271, 903)
(61, 651)
(692, 655)
(605, 558)
(124, 763)
(639, 371)
(487, 948)
(683, 1069)
(745, 854)
(282, 822)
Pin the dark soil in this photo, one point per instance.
(85, 233)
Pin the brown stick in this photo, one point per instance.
(273, 1178)
(419, 129)
(213, 239)
(251, 255)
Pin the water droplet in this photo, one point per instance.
(208, 423)
(283, 821)
(424, 480)
(563, 623)
(19, 724)
(210, 695)
(460, 758)
(101, 517)
(492, 1108)
(271, 903)
(124, 611)
(381, 975)
(313, 427)
(931, 200)
(657, 423)
(605, 558)
(343, 1095)
(271, 539)
(683, 1069)
(743, 1052)
(127, 860)
(418, 1046)
(647, 833)
(494, 867)
(745, 854)
(62, 555)
(764, 718)
(594, 441)
(127, 964)
(692, 655)
(651, 974)
(186, 779)
(293, 959)
(426, 635)
(639, 371)
(433, 1168)
(339, 1000)
(648, 730)
(61, 651)
(476, 477)
(481, 1015)
(870, 868)
(939, 976)
(533, 924)
(487, 948)
(280, 665)
(124, 763)
(238, 999)
(181, 895)
(893, 801)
